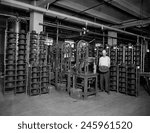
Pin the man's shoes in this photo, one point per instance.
(108, 92)
(102, 90)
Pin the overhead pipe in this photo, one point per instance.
(60, 26)
(7, 15)
(79, 30)
(14, 16)
(26, 6)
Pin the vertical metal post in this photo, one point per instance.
(17, 28)
(144, 49)
(5, 46)
(57, 52)
(27, 64)
(124, 52)
(142, 59)
(103, 38)
(132, 56)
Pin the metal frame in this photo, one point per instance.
(30, 80)
(41, 76)
(66, 63)
(25, 64)
(84, 86)
(121, 77)
(114, 76)
(5, 64)
(82, 59)
(136, 80)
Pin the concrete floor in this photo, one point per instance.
(60, 104)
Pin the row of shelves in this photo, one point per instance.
(19, 51)
(39, 79)
(124, 79)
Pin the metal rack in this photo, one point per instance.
(129, 54)
(137, 55)
(34, 70)
(113, 78)
(44, 79)
(122, 79)
(113, 69)
(120, 54)
(15, 56)
(113, 55)
(21, 65)
(33, 48)
(39, 79)
(34, 80)
(51, 62)
(43, 64)
(39, 69)
(10, 61)
(132, 80)
(43, 49)
(57, 69)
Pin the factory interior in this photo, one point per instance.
(50, 54)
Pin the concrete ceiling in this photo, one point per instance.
(123, 14)
(114, 11)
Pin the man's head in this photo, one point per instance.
(104, 52)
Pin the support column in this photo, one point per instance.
(17, 26)
(112, 41)
(35, 19)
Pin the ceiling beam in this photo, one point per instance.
(141, 30)
(79, 8)
(128, 7)
(42, 3)
(139, 23)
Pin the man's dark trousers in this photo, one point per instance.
(104, 81)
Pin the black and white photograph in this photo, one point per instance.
(74, 58)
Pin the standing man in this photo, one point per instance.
(104, 65)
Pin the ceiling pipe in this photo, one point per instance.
(48, 24)
(14, 16)
(25, 6)
(64, 27)
(7, 15)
